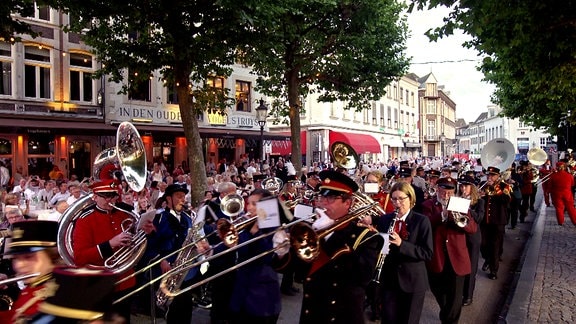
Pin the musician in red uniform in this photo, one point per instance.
(562, 197)
(382, 196)
(99, 233)
(450, 262)
(544, 171)
(33, 250)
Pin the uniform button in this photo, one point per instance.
(306, 295)
(446, 241)
(353, 235)
(308, 279)
(335, 284)
(333, 319)
(333, 302)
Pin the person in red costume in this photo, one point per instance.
(562, 197)
(99, 233)
(544, 171)
(33, 251)
(450, 261)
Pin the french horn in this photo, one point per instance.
(127, 159)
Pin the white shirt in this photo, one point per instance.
(59, 196)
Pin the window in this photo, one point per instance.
(431, 130)
(382, 115)
(412, 99)
(431, 107)
(6, 67)
(333, 110)
(374, 114)
(37, 65)
(402, 95)
(407, 97)
(395, 92)
(81, 82)
(389, 117)
(243, 96)
(41, 12)
(140, 89)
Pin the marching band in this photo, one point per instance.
(396, 227)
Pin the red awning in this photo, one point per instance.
(285, 147)
(362, 143)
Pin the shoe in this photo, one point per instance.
(492, 276)
(467, 302)
(203, 303)
(485, 266)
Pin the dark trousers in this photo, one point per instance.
(473, 242)
(524, 207)
(123, 308)
(492, 241)
(447, 288)
(402, 307)
(533, 196)
(513, 212)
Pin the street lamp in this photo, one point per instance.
(261, 115)
(442, 139)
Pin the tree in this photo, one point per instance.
(10, 26)
(530, 53)
(183, 41)
(343, 50)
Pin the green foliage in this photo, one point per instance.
(340, 49)
(530, 53)
(11, 27)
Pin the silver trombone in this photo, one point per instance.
(190, 265)
(543, 179)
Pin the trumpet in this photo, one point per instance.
(459, 219)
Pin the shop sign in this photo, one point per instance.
(217, 118)
(155, 115)
(38, 131)
(243, 122)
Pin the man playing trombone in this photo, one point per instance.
(334, 289)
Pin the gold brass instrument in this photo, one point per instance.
(16, 279)
(232, 205)
(170, 285)
(306, 241)
(6, 301)
(272, 184)
(537, 156)
(459, 219)
(543, 179)
(344, 156)
(127, 158)
(498, 153)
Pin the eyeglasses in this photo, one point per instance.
(328, 199)
(107, 195)
(399, 198)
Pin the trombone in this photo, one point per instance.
(543, 179)
(187, 265)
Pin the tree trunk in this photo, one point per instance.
(192, 134)
(294, 115)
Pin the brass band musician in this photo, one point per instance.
(562, 197)
(382, 196)
(496, 198)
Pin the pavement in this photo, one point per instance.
(534, 285)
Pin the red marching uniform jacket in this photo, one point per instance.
(26, 306)
(448, 238)
(90, 239)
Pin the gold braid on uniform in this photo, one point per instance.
(502, 188)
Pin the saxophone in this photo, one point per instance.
(170, 284)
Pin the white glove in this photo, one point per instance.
(280, 242)
(323, 221)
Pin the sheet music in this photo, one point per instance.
(458, 204)
(268, 213)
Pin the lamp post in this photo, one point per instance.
(442, 139)
(261, 115)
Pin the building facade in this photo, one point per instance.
(53, 113)
(388, 129)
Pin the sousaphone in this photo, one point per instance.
(498, 153)
(127, 160)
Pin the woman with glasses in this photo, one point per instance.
(403, 277)
(99, 233)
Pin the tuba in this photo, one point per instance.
(273, 184)
(127, 159)
(499, 153)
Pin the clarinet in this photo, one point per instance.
(382, 256)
